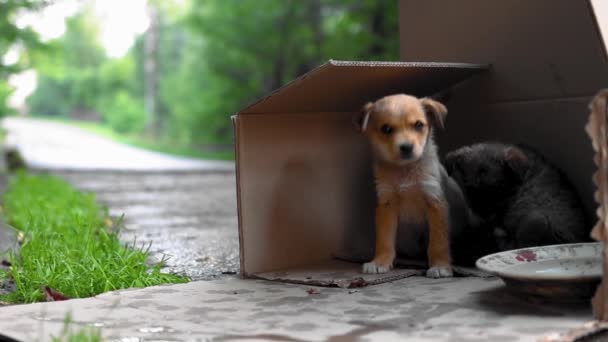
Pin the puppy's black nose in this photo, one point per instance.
(406, 150)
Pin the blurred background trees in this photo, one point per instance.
(198, 62)
(17, 45)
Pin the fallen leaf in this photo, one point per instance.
(312, 291)
(53, 295)
(357, 282)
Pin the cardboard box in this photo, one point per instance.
(596, 129)
(304, 181)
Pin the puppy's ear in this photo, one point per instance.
(517, 161)
(435, 111)
(449, 161)
(454, 159)
(362, 118)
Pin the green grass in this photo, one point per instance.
(68, 334)
(87, 334)
(69, 244)
(143, 142)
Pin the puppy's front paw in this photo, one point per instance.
(439, 272)
(373, 267)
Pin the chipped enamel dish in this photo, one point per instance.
(564, 271)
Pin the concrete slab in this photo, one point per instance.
(413, 309)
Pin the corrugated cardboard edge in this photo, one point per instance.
(352, 283)
(335, 63)
(463, 271)
(596, 128)
(335, 273)
(604, 45)
(238, 166)
(347, 275)
(588, 332)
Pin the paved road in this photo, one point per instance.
(189, 216)
(185, 208)
(53, 145)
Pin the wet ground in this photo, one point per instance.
(190, 217)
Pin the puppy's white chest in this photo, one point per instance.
(428, 187)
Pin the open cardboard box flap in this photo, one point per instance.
(344, 86)
(304, 183)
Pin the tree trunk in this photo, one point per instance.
(283, 27)
(151, 70)
(315, 20)
(378, 29)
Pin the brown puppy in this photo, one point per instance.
(413, 189)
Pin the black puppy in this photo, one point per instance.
(523, 200)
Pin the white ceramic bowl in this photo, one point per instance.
(566, 270)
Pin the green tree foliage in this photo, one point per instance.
(12, 36)
(124, 113)
(236, 51)
(77, 80)
(68, 76)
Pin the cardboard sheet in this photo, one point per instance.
(345, 274)
(597, 128)
(336, 274)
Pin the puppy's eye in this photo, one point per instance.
(386, 129)
(418, 125)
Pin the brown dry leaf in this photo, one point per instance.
(358, 282)
(53, 295)
(312, 291)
